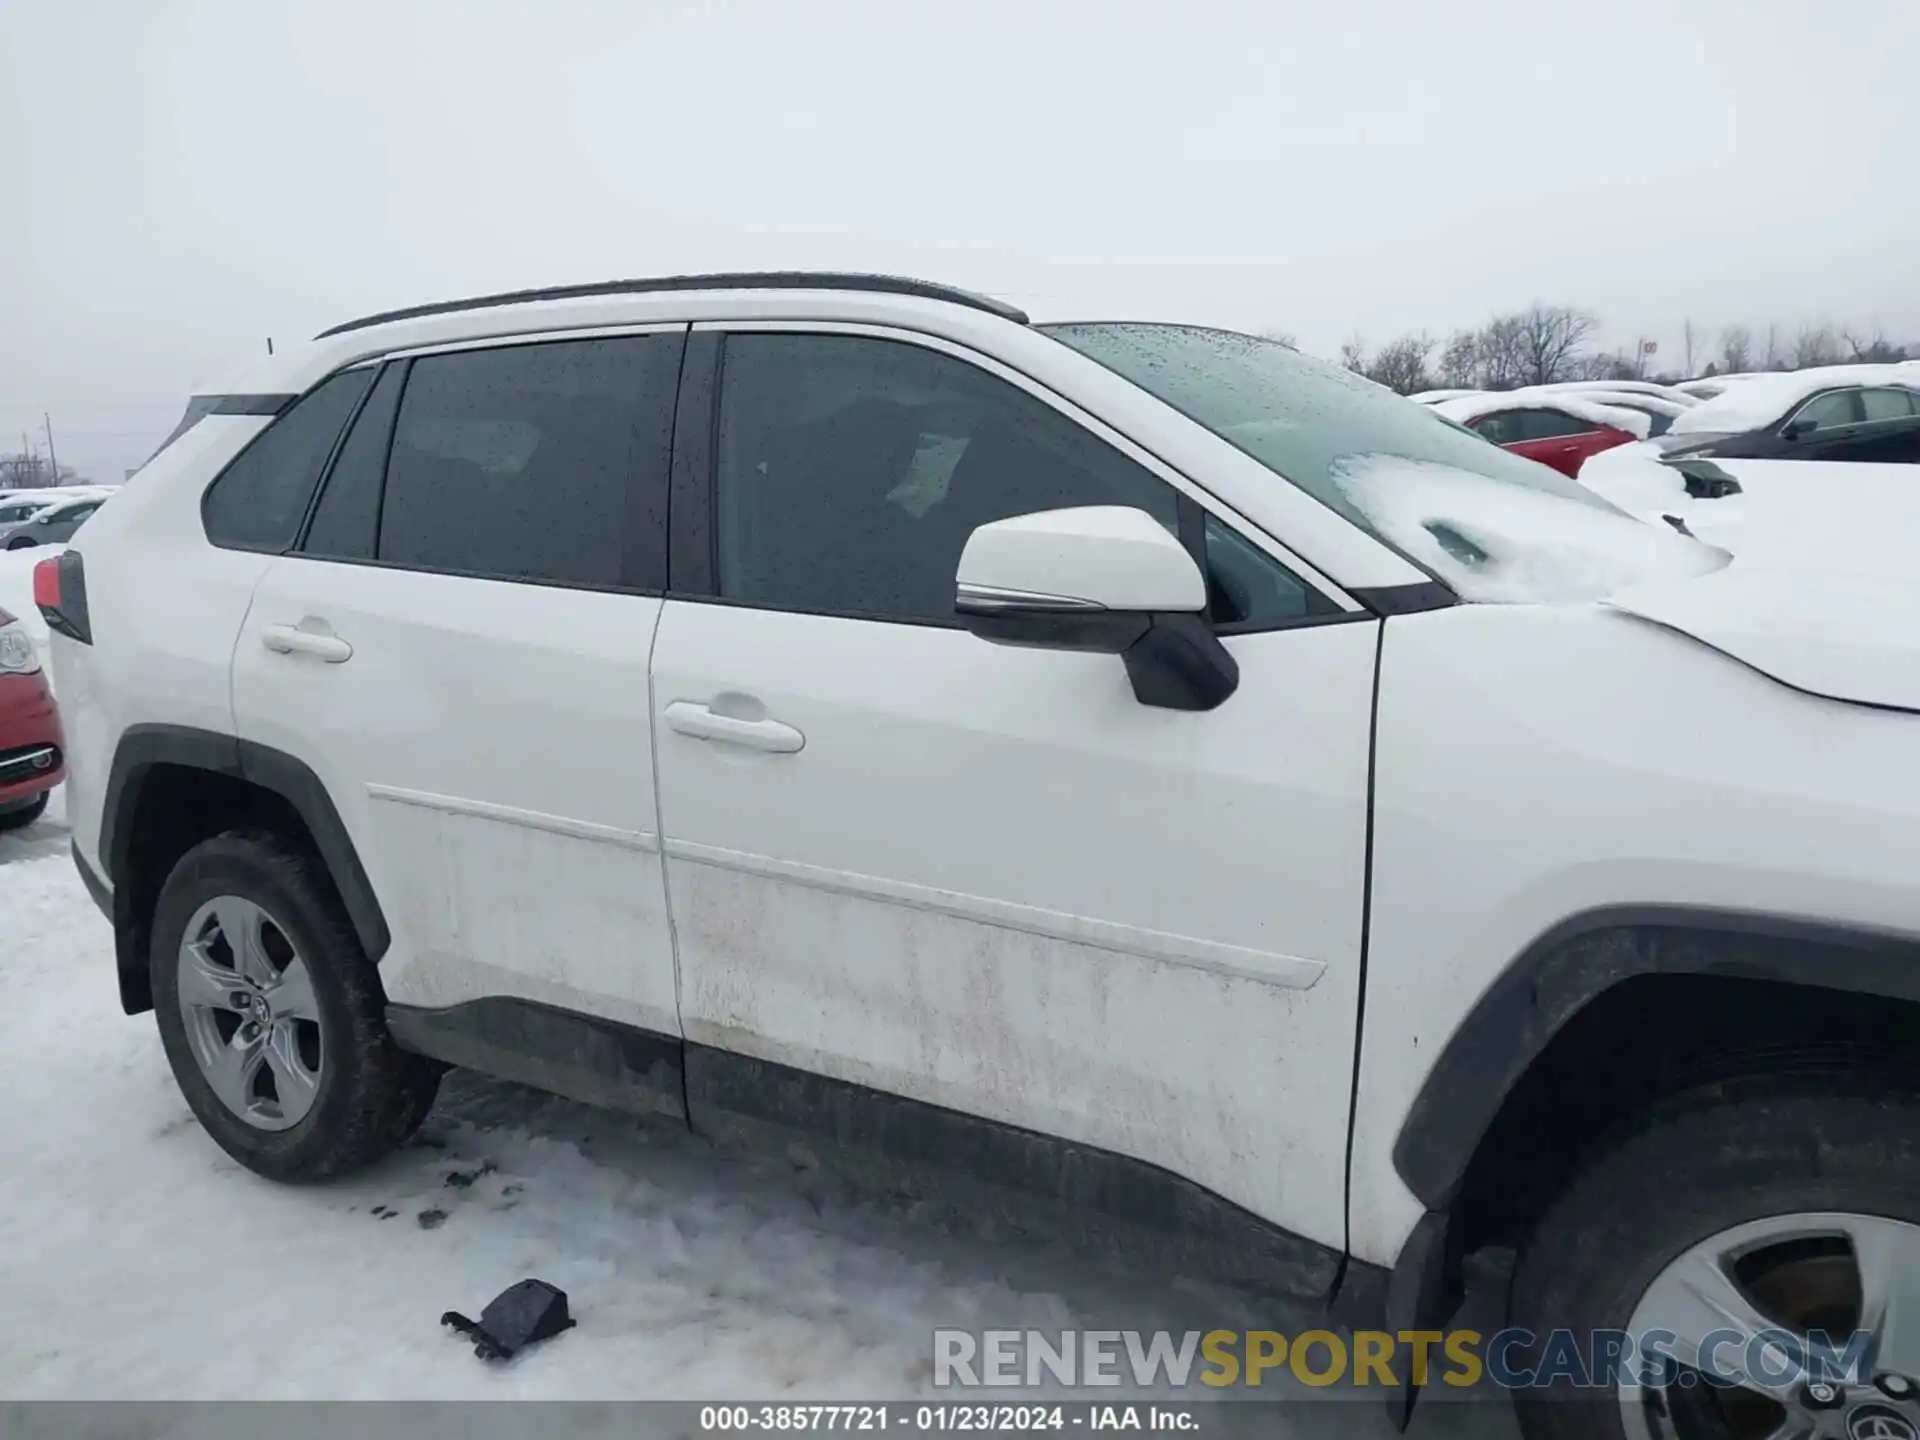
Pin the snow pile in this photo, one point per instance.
(1471, 407)
(1502, 543)
(1759, 400)
(1632, 477)
(1790, 514)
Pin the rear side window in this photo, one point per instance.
(1886, 404)
(1548, 424)
(259, 500)
(346, 522)
(533, 462)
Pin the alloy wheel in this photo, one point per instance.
(1749, 1306)
(246, 996)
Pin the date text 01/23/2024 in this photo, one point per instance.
(959, 1417)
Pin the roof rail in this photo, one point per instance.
(746, 280)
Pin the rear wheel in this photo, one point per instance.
(20, 542)
(272, 1016)
(1758, 1225)
(22, 815)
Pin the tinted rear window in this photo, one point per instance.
(531, 462)
(260, 499)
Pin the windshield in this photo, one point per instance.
(1492, 524)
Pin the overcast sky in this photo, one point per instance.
(181, 181)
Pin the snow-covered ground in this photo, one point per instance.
(1790, 514)
(138, 1262)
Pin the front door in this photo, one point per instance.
(458, 649)
(990, 879)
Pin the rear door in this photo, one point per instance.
(1886, 432)
(984, 878)
(458, 649)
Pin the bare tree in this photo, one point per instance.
(1617, 366)
(1872, 349)
(1686, 339)
(1547, 339)
(1353, 355)
(1815, 345)
(1460, 360)
(24, 471)
(1401, 365)
(1736, 350)
(1503, 361)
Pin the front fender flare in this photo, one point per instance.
(1577, 961)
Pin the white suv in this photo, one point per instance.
(1133, 769)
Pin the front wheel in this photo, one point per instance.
(273, 1017)
(20, 542)
(1740, 1237)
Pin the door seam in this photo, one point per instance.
(659, 829)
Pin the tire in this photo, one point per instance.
(366, 1096)
(22, 816)
(1734, 1159)
(20, 542)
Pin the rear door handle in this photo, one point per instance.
(293, 640)
(703, 722)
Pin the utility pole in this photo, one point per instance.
(53, 460)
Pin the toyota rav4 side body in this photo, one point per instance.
(1136, 768)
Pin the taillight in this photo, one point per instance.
(60, 590)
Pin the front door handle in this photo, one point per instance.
(703, 722)
(296, 640)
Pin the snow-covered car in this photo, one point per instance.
(1558, 428)
(52, 525)
(1132, 774)
(1856, 413)
(1649, 388)
(14, 510)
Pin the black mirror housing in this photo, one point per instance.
(1174, 660)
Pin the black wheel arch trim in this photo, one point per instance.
(143, 747)
(1580, 959)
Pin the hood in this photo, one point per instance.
(1496, 542)
(1852, 637)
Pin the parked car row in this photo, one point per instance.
(1867, 413)
(1563, 425)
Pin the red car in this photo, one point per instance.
(1545, 431)
(32, 761)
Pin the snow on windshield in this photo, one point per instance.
(1504, 544)
(1759, 400)
(1472, 407)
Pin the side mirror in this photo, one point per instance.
(1796, 428)
(1102, 578)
